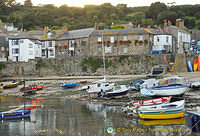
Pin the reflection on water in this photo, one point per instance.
(73, 118)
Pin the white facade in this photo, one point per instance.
(162, 42)
(48, 49)
(183, 39)
(23, 50)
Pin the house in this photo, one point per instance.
(120, 41)
(181, 33)
(162, 41)
(3, 47)
(23, 48)
(74, 43)
(48, 41)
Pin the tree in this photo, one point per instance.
(167, 15)
(118, 27)
(190, 22)
(28, 3)
(156, 8)
(136, 17)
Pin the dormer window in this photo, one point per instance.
(48, 34)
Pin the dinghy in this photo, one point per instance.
(123, 90)
(69, 85)
(162, 111)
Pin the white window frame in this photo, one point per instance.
(99, 39)
(125, 38)
(112, 39)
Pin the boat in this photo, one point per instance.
(1, 89)
(131, 105)
(69, 85)
(123, 90)
(190, 66)
(40, 86)
(136, 84)
(10, 85)
(195, 85)
(198, 63)
(178, 121)
(193, 119)
(98, 87)
(83, 81)
(164, 90)
(31, 89)
(15, 113)
(195, 65)
(162, 111)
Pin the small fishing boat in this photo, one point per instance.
(162, 111)
(123, 90)
(83, 82)
(98, 87)
(131, 105)
(40, 86)
(10, 85)
(15, 113)
(136, 84)
(1, 89)
(69, 85)
(195, 85)
(165, 90)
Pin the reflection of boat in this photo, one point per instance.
(15, 114)
(26, 118)
(164, 90)
(131, 105)
(69, 85)
(11, 85)
(123, 90)
(163, 111)
(179, 121)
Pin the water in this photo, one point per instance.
(73, 118)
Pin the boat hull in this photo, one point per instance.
(162, 115)
(69, 85)
(15, 114)
(110, 94)
(164, 91)
(12, 85)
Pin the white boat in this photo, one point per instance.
(165, 90)
(163, 111)
(195, 85)
(98, 87)
(150, 83)
(123, 90)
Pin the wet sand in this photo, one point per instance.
(53, 89)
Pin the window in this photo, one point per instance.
(78, 42)
(140, 37)
(112, 39)
(30, 45)
(51, 53)
(99, 39)
(30, 52)
(83, 43)
(15, 51)
(43, 52)
(6, 38)
(21, 41)
(43, 44)
(2, 49)
(50, 43)
(158, 39)
(167, 39)
(125, 38)
(15, 42)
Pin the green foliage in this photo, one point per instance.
(92, 63)
(40, 64)
(136, 17)
(118, 27)
(156, 8)
(190, 22)
(168, 15)
(2, 66)
(55, 28)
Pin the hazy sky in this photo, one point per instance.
(130, 3)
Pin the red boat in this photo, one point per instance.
(31, 89)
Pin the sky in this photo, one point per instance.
(130, 3)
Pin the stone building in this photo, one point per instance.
(3, 47)
(181, 33)
(74, 43)
(120, 42)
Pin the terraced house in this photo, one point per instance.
(121, 42)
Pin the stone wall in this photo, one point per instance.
(115, 65)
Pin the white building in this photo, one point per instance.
(48, 49)
(23, 49)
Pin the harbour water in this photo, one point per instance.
(60, 116)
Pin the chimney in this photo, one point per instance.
(64, 28)
(138, 26)
(179, 23)
(165, 25)
(95, 26)
(45, 29)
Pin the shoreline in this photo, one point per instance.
(53, 89)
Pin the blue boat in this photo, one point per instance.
(193, 120)
(69, 85)
(15, 114)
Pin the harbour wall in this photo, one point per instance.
(80, 66)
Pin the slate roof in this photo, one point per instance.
(184, 29)
(26, 35)
(139, 31)
(159, 32)
(54, 36)
(75, 34)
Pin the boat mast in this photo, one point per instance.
(103, 54)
